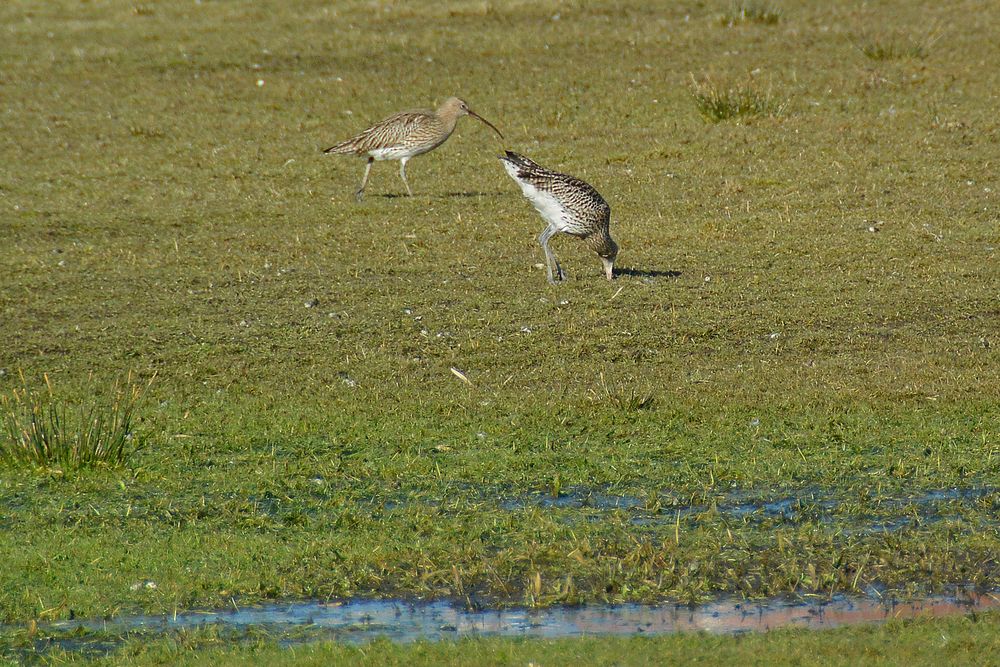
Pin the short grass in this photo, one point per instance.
(808, 306)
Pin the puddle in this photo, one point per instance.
(359, 621)
(576, 499)
(806, 505)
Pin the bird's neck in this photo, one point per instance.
(449, 116)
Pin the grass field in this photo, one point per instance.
(807, 317)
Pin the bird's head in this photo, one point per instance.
(460, 108)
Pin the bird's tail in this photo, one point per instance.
(344, 147)
(518, 165)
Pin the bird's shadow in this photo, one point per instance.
(455, 195)
(446, 195)
(646, 273)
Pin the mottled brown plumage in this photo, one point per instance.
(405, 135)
(569, 206)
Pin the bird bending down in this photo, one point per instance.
(405, 135)
(569, 206)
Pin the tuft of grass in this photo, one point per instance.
(625, 398)
(41, 430)
(750, 12)
(718, 103)
(900, 47)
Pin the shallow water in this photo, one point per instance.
(363, 620)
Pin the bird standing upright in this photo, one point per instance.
(405, 135)
(569, 206)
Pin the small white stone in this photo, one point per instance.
(260, 82)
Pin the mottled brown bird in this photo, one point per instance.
(405, 135)
(569, 206)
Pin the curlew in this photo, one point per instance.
(569, 206)
(405, 135)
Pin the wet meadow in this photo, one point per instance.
(228, 383)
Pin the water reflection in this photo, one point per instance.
(363, 620)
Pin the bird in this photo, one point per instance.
(569, 206)
(404, 135)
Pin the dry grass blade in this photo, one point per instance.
(461, 376)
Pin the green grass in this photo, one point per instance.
(161, 212)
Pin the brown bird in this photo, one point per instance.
(405, 135)
(569, 206)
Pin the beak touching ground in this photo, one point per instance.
(609, 267)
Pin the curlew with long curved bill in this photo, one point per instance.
(405, 135)
(569, 206)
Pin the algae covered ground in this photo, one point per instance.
(790, 388)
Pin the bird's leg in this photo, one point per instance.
(550, 258)
(360, 194)
(402, 174)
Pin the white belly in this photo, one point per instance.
(545, 203)
(392, 153)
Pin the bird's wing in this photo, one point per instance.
(563, 200)
(387, 133)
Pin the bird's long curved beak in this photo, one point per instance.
(475, 115)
